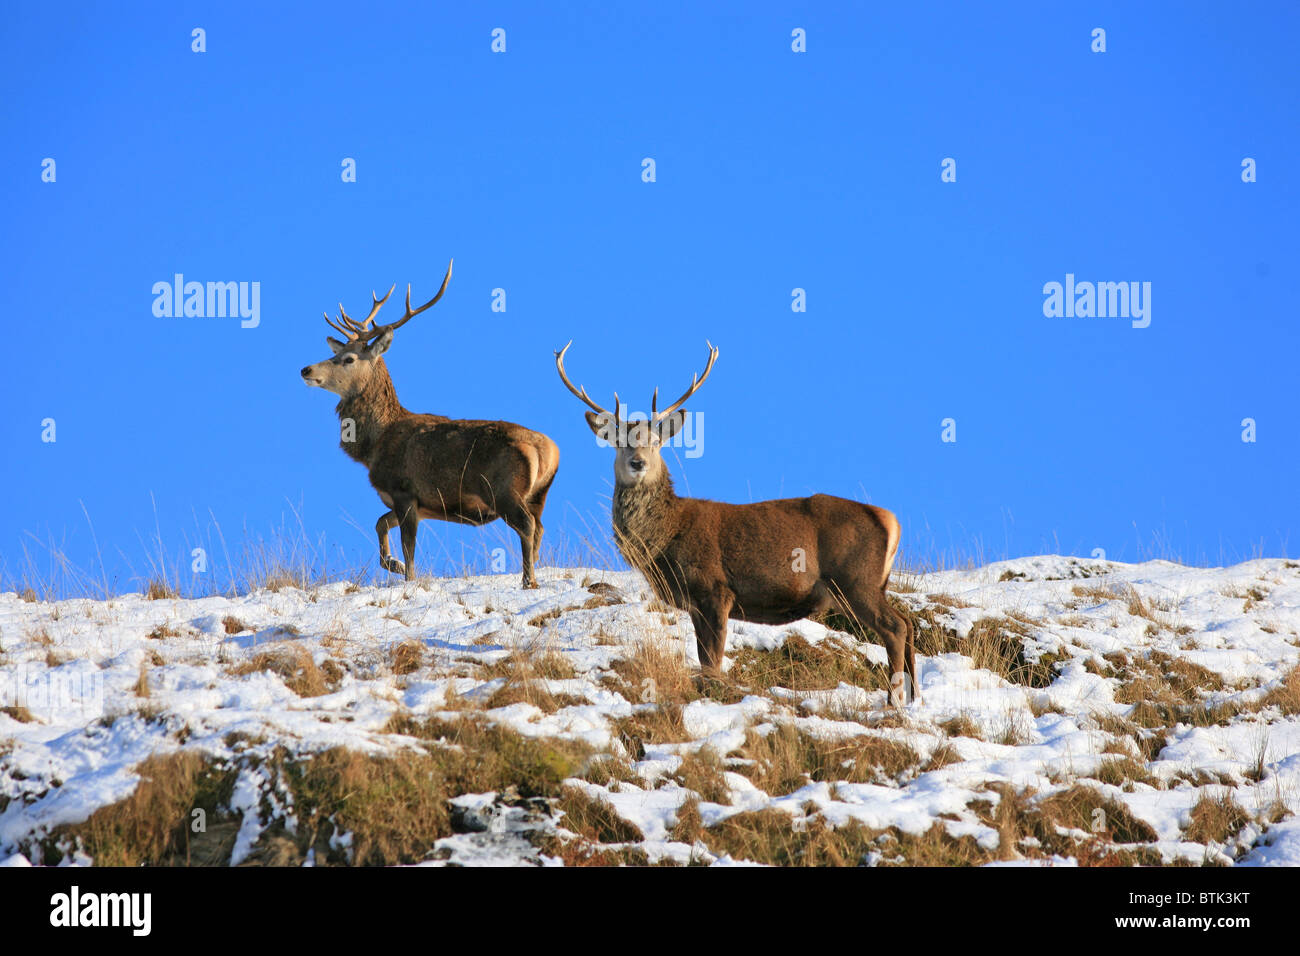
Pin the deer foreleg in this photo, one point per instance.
(709, 618)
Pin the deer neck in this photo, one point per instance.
(645, 519)
(365, 413)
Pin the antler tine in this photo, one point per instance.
(696, 382)
(410, 313)
(347, 333)
(376, 304)
(580, 392)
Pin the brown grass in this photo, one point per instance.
(961, 726)
(141, 687)
(1122, 769)
(406, 657)
(293, 664)
(787, 758)
(701, 772)
(1167, 690)
(1216, 819)
(526, 673)
(654, 671)
(153, 825)
(1286, 696)
(996, 644)
(478, 756)
(768, 836)
(798, 665)
(158, 590)
(595, 819)
(1031, 826)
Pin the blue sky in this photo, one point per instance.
(775, 170)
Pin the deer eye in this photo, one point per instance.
(349, 359)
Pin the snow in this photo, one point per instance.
(74, 666)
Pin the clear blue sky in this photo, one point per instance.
(775, 170)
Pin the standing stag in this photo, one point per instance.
(428, 466)
(771, 562)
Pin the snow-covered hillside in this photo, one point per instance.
(1073, 711)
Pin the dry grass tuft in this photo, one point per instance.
(1286, 696)
(1216, 819)
(961, 726)
(798, 665)
(655, 671)
(406, 657)
(1080, 822)
(293, 664)
(996, 644)
(141, 687)
(701, 772)
(151, 826)
(527, 673)
(768, 836)
(477, 756)
(788, 758)
(158, 590)
(19, 713)
(1167, 690)
(1123, 769)
(595, 819)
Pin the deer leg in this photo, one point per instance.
(386, 523)
(709, 618)
(912, 672)
(535, 506)
(522, 522)
(410, 522)
(896, 631)
(537, 535)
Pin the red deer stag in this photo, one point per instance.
(428, 466)
(771, 562)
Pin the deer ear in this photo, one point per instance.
(380, 345)
(671, 425)
(335, 345)
(598, 424)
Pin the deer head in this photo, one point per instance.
(356, 358)
(639, 444)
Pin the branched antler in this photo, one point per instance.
(364, 331)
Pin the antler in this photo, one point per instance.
(353, 329)
(581, 392)
(696, 381)
(363, 330)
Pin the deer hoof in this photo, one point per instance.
(393, 565)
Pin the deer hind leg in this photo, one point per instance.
(537, 534)
(913, 675)
(535, 506)
(872, 609)
(522, 522)
(386, 523)
(408, 516)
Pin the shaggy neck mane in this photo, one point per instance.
(644, 519)
(372, 409)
